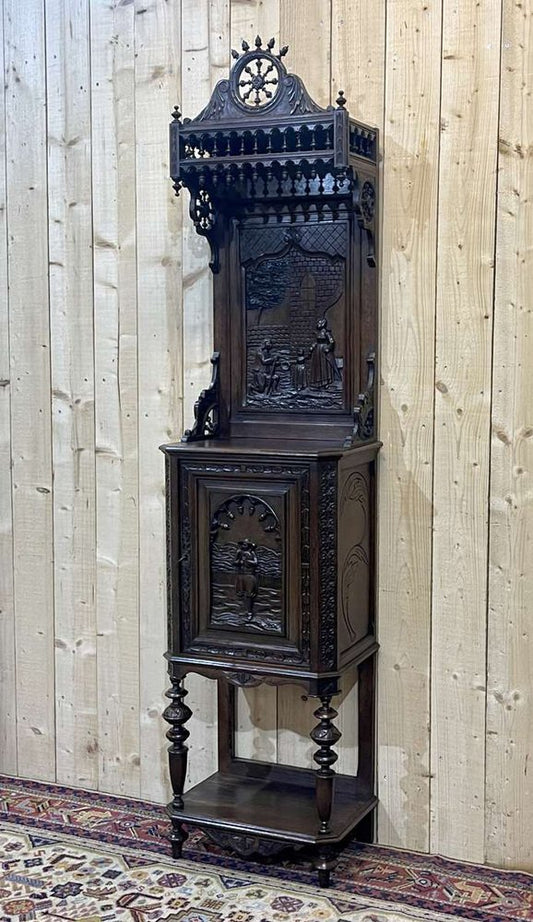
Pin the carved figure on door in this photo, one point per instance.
(246, 562)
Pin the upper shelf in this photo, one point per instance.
(262, 114)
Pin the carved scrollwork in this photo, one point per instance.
(243, 679)
(203, 215)
(367, 202)
(248, 846)
(207, 408)
(328, 564)
(356, 560)
(363, 413)
(366, 207)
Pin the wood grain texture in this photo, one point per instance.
(205, 59)
(305, 26)
(71, 282)
(159, 381)
(465, 275)
(8, 690)
(30, 376)
(115, 325)
(509, 778)
(358, 57)
(408, 266)
(249, 18)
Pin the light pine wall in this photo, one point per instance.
(105, 338)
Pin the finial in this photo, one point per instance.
(271, 44)
(340, 100)
(258, 41)
(234, 54)
(176, 114)
(283, 51)
(245, 46)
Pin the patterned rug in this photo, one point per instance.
(89, 857)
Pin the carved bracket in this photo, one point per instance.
(207, 409)
(363, 412)
(366, 208)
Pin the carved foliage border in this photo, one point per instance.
(249, 653)
(327, 519)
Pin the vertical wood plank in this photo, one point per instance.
(305, 26)
(158, 221)
(410, 184)
(509, 777)
(71, 327)
(256, 723)
(112, 65)
(205, 59)
(256, 707)
(8, 696)
(358, 68)
(358, 57)
(30, 374)
(467, 183)
(254, 17)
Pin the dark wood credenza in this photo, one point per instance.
(271, 494)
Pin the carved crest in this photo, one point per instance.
(261, 137)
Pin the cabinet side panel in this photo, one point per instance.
(355, 553)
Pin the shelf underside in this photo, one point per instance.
(275, 802)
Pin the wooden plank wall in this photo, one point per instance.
(105, 338)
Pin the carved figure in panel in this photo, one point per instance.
(246, 566)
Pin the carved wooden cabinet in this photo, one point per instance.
(271, 494)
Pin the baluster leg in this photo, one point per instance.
(325, 735)
(177, 713)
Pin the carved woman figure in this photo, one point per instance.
(246, 563)
(324, 368)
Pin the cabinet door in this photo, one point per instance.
(245, 543)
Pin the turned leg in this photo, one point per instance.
(324, 864)
(177, 714)
(325, 735)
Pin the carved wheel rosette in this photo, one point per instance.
(257, 80)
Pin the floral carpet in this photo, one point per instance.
(88, 857)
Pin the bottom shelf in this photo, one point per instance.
(274, 802)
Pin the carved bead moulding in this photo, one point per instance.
(263, 140)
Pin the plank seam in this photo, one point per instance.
(50, 377)
(431, 556)
(11, 459)
(381, 300)
(95, 432)
(491, 405)
(137, 399)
